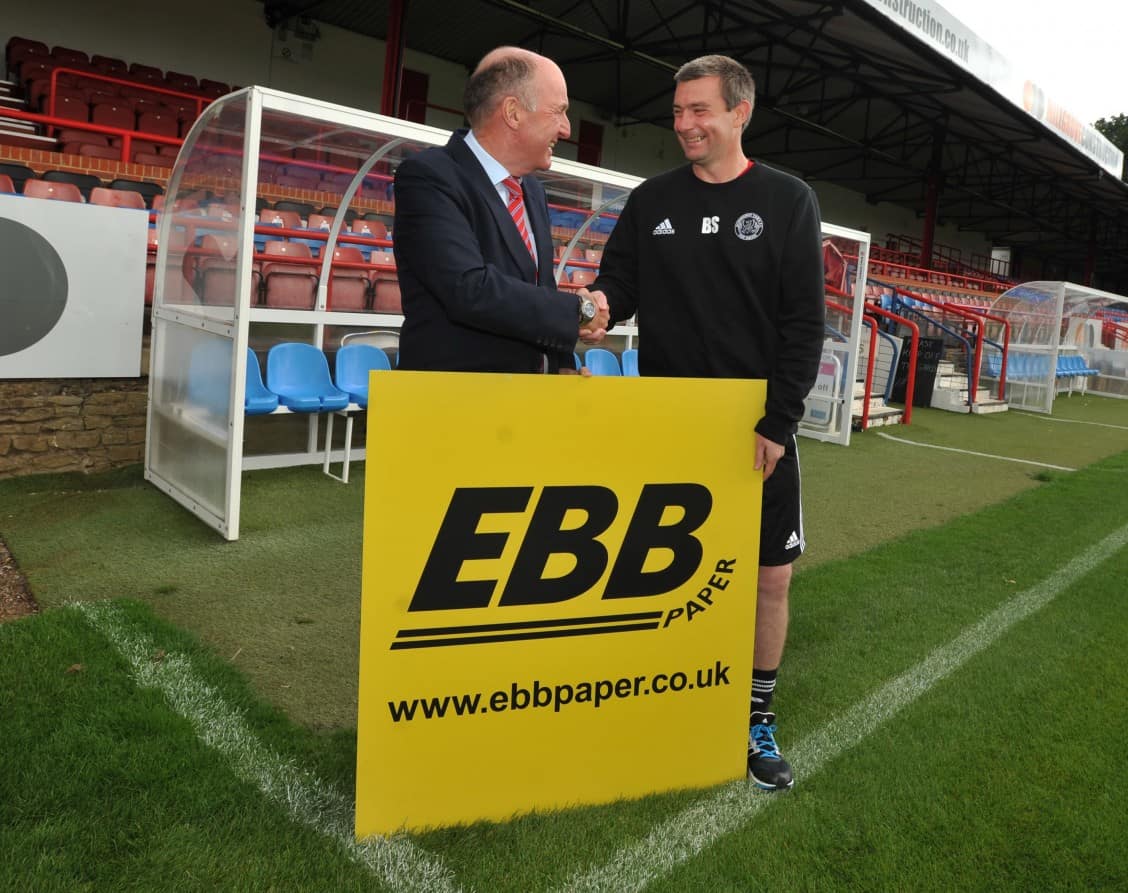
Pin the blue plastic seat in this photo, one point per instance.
(257, 399)
(602, 362)
(354, 362)
(299, 374)
(630, 361)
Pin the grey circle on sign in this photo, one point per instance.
(33, 287)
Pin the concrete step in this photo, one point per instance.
(984, 407)
(17, 125)
(26, 139)
(879, 416)
(955, 400)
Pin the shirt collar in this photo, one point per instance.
(493, 168)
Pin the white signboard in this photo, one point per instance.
(72, 289)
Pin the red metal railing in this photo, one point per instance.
(963, 313)
(127, 136)
(914, 345)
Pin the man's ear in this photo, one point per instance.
(511, 111)
(744, 112)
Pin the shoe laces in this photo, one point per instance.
(762, 737)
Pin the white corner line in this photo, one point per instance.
(933, 446)
(307, 799)
(686, 834)
(1050, 418)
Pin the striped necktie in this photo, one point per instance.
(517, 212)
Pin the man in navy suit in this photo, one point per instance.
(478, 292)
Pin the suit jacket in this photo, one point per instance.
(472, 298)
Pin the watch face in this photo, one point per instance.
(587, 310)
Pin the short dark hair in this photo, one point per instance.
(510, 75)
(737, 83)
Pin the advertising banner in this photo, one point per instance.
(936, 27)
(559, 580)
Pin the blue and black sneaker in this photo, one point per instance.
(766, 768)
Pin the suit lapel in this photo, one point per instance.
(500, 213)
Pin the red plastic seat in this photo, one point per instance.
(66, 56)
(176, 80)
(375, 228)
(386, 293)
(6, 184)
(215, 269)
(117, 198)
(288, 285)
(177, 278)
(93, 150)
(114, 114)
(162, 123)
(60, 192)
(287, 219)
(74, 135)
(214, 88)
(109, 65)
(140, 72)
(348, 288)
(582, 277)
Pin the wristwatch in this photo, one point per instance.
(586, 308)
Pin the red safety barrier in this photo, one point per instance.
(914, 343)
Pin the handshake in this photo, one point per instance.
(592, 331)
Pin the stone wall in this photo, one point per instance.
(84, 424)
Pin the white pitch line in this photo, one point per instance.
(308, 800)
(685, 835)
(933, 446)
(1050, 418)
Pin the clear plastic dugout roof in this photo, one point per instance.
(277, 204)
(1053, 326)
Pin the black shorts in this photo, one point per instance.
(781, 513)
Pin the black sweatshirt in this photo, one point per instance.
(727, 279)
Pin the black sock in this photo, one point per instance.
(763, 687)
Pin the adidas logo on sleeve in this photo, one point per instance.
(665, 228)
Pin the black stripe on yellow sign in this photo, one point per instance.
(527, 624)
(533, 634)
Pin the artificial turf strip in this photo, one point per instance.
(273, 600)
(981, 753)
(104, 787)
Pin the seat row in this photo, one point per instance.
(1028, 366)
(297, 378)
(604, 362)
(27, 57)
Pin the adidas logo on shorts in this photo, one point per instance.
(792, 541)
(665, 228)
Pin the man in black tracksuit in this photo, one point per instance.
(722, 259)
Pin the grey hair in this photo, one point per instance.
(510, 75)
(737, 83)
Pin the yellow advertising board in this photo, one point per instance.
(559, 582)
